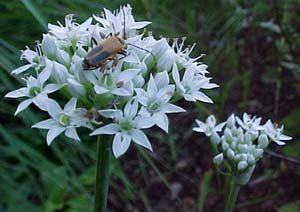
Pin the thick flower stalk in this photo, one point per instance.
(240, 144)
(152, 74)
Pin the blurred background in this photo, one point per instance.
(252, 49)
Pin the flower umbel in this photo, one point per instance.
(129, 92)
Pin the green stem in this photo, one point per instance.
(102, 173)
(233, 193)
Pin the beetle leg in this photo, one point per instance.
(102, 35)
(93, 41)
(123, 52)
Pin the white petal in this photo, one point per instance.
(72, 133)
(121, 92)
(41, 101)
(53, 109)
(142, 122)
(162, 79)
(285, 137)
(22, 69)
(53, 133)
(131, 58)
(71, 105)
(109, 129)
(176, 77)
(100, 90)
(127, 75)
(45, 74)
(130, 109)
(161, 120)
(279, 142)
(50, 88)
(170, 108)
(142, 96)
(140, 138)
(109, 113)
(151, 89)
(23, 105)
(140, 24)
(46, 124)
(121, 144)
(17, 93)
(202, 97)
(189, 97)
(198, 129)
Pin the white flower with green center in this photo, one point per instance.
(190, 84)
(252, 125)
(115, 23)
(156, 99)
(35, 91)
(73, 34)
(66, 120)
(126, 128)
(34, 59)
(116, 82)
(209, 127)
(275, 134)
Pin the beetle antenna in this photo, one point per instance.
(146, 50)
(124, 35)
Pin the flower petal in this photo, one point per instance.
(72, 133)
(53, 133)
(140, 138)
(46, 124)
(161, 120)
(121, 144)
(22, 69)
(109, 129)
(17, 93)
(23, 105)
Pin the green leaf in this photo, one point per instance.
(290, 207)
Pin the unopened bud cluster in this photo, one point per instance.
(240, 142)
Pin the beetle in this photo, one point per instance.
(107, 51)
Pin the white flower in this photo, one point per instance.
(189, 87)
(35, 91)
(275, 134)
(252, 125)
(33, 57)
(66, 120)
(127, 128)
(72, 34)
(115, 23)
(114, 82)
(156, 100)
(209, 127)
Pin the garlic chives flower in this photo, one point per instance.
(240, 142)
(128, 93)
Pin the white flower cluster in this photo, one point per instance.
(240, 142)
(127, 92)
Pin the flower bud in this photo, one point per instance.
(247, 137)
(138, 81)
(242, 165)
(225, 145)
(263, 141)
(228, 134)
(59, 73)
(215, 138)
(76, 89)
(251, 159)
(230, 154)
(160, 47)
(49, 46)
(218, 159)
(257, 153)
(231, 121)
(166, 61)
(63, 57)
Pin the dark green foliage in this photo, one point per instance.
(252, 50)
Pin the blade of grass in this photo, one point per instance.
(32, 8)
(204, 190)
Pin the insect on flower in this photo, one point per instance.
(108, 50)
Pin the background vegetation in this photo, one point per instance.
(252, 50)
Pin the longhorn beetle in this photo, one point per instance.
(108, 50)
